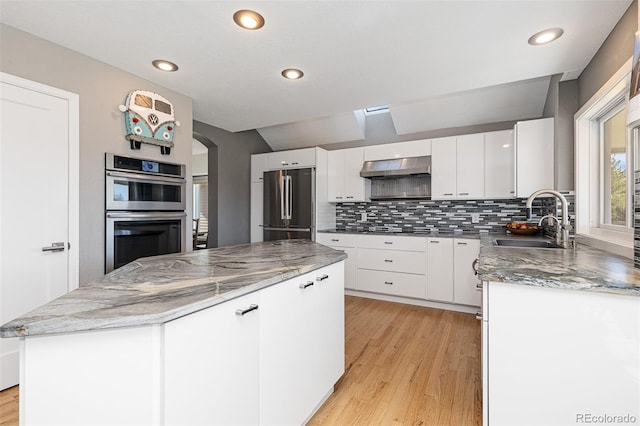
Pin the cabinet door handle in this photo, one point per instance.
(241, 312)
(448, 193)
(463, 193)
(389, 260)
(349, 196)
(388, 242)
(479, 315)
(389, 282)
(434, 242)
(294, 163)
(474, 266)
(335, 239)
(479, 286)
(305, 285)
(460, 243)
(322, 278)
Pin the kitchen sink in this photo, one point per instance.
(526, 243)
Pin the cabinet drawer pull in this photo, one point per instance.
(463, 193)
(389, 282)
(295, 163)
(322, 278)
(434, 242)
(389, 260)
(335, 239)
(460, 243)
(349, 196)
(305, 285)
(448, 193)
(241, 312)
(479, 315)
(340, 198)
(388, 242)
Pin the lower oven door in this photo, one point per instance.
(132, 235)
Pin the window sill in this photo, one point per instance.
(616, 246)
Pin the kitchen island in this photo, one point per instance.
(560, 335)
(249, 334)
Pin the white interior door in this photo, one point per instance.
(35, 138)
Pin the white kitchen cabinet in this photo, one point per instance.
(440, 269)
(417, 148)
(465, 281)
(443, 168)
(470, 166)
(411, 262)
(292, 159)
(535, 160)
(344, 181)
(392, 283)
(555, 356)
(346, 243)
(301, 344)
(259, 165)
(257, 196)
(211, 372)
(393, 265)
(499, 166)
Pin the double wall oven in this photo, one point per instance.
(144, 209)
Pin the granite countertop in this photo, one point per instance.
(584, 268)
(435, 234)
(158, 289)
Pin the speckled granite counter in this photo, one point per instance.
(158, 289)
(585, 268)
(437, 234)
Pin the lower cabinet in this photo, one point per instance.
(301, 345)
(269, 357)
(395, 283)
(346, 243)
(574, 358)
(465, 280)
(440, 269)
(212, 365)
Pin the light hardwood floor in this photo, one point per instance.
(405, 365)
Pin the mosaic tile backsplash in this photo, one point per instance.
(427, 216)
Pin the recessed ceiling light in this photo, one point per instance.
(545, 36)
(248, 19)
(163, 65)
(292, 73)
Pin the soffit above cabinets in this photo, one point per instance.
(354, 54)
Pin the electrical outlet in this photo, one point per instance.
(363, 217)
(475, 217)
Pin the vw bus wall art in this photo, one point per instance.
(149, 118)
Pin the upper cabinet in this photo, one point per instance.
(535, 161)
(387, 151)
(499, 168)
(457, 167)
(343, 173)
(293, 159)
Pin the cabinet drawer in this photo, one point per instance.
(412, 262)
(337, 240)
(393, 283)
(392, 242)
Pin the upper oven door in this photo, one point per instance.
(136, 191)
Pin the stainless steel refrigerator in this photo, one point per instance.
(289, 200)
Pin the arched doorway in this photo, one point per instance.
(212, 189)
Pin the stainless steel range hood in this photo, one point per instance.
(397, 167)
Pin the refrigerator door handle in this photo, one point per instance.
(289, 198)
(283, 187)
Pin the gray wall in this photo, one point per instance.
(230, 181)
(614, 52)
(101, 89)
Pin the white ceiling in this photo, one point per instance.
(438, 64)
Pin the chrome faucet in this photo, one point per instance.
(563, 226)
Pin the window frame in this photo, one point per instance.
(588, 167)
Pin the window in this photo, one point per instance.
(614, 196)
(604, 168)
